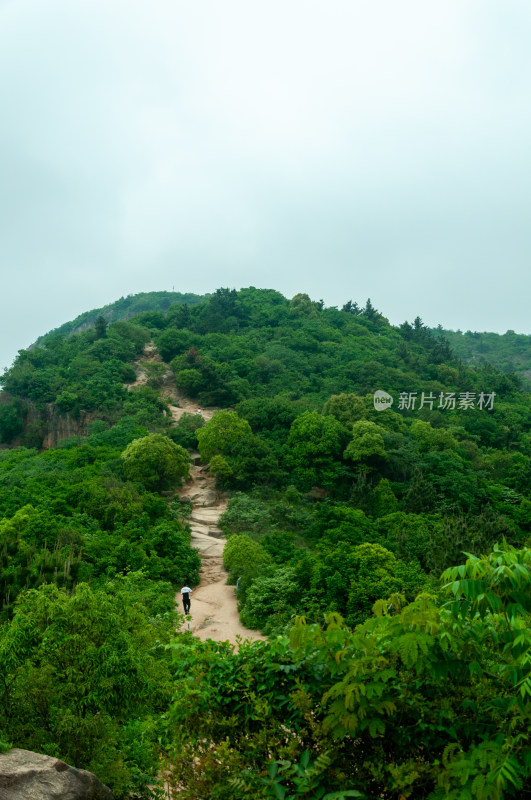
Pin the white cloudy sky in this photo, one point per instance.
(345, 148)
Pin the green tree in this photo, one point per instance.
(245, 514)
(430, 438)
(100, 327)
(221, 434)
(171, 557)
(313, 449)
(383, 500)
(301, 306)
(350, 579)
(346, 408)
(184, 433)
(271, 600)
(252, 463)
(367, 443)
(269, 416)
(66, 401)
(189, 381)
(11, 421)
(411, 536)
(496, 583)
(174, 342)
(422, 700)
(156, 374)
(243, 557)
(220, 467)
(83, 675)
(156, 462)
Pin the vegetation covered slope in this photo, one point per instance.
(124, 309)
(340, 515)
(507, 352)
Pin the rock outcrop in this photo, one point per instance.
(48, 424)
(63, 425)
(31, 776)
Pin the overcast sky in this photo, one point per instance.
(347, 149)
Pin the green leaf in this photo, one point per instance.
(273, 769)
(376, 728)
(279, 790)
(475, 668)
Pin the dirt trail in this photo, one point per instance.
(214, 613)
(178, 403)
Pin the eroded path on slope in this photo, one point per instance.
(213, 609)
(214, 612)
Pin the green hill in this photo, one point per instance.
(379, 678)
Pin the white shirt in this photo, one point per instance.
(186, 590)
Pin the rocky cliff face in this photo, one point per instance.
(31, 776)
(46, 427)
(62, 425)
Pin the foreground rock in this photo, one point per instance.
(31, 776)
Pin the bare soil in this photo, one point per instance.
(213, 610)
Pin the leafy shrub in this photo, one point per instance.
(184, 433)
(271, 601)
(245, 514)
(155, 461)
(243, 559)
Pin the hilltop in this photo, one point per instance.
(124, 309)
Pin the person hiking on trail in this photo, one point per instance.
(186, 592)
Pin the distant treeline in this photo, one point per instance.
(508, 352)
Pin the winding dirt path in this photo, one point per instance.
(214, 612)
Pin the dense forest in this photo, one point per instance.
(384, 551)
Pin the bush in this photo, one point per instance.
(156, 462)
(221, 434)
(245, 513)
(243, 558)
(184, 433)
(271, 601)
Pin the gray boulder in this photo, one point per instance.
(31, 776)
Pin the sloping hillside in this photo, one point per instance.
(124, 309)
(509, 352)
